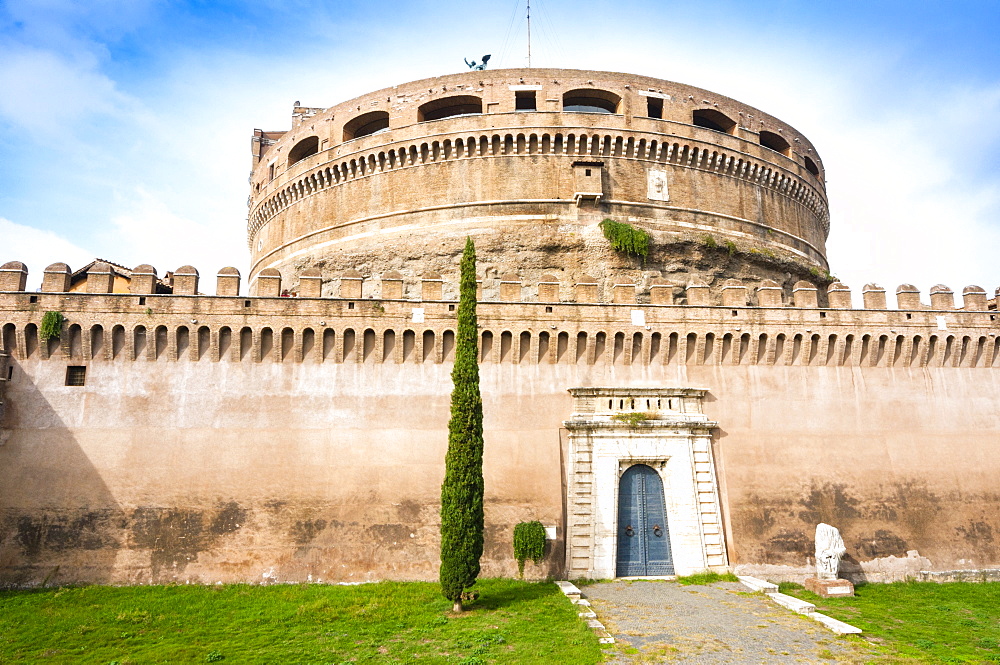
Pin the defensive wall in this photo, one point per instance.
(258, 438)
(527, 161)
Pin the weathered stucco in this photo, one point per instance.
(295, 455)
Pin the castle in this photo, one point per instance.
(699, 407)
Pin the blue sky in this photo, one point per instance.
(124, 127)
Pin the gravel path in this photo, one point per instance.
(659, 621)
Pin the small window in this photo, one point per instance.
(654, 107)
(76, 375)
(246, 303)
(714, 120)
(548, 310)
(451, 308)
(524, 100)
(735, 312)
(270, 172)
(350, 305)
(811, 166)
(32, 299)
(587, 172)
(822, 315)
(10, 372)
(142, 300)
(775, 142)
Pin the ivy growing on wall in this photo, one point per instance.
(626, 239)
(529, 543)
(52, 323)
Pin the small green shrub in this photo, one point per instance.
(529, 543)
(632, 418)
(730, 247)
(52, 323)
(626, 238)
(709, 241)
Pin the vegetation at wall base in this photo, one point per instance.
(706, 577)
(51, 328)
(514, 622)
(529, 543)
(626, 239)
(462, 489)
(952, 622)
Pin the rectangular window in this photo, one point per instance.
(524, 100)
(654, 107)
(270, 172)
(76, 375)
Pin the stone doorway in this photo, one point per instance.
(613, 430)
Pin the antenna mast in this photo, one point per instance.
(529, 34)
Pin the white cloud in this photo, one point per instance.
(149, 231)
(38, 249)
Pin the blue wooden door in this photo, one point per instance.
(643, 539)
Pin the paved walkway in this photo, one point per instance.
(660, 621)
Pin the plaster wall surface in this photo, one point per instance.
(201, 471)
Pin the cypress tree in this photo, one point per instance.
(462, 489)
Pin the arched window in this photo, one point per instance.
(450, 107)
(366, 124)
(588, 100)
(304, 148)
(775, 142)
(714, 120)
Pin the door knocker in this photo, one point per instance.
(657, 531)
(629, 531)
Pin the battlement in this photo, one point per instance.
(397, 318)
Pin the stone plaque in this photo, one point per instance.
(657, 189)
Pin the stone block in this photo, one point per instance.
(769, 294)
(661, 292)
(392, 285)
(908, 297)
(100, 279)
(804, 294)
(873, 296)
(839, 296)
(350, 284)
(829, 588)
(586, 290)
(431, 287)
(623, 293)
(311, 283)
(13, 276)
(269, 283)
(144, 279)
(942, 297)
(186, 281)
(56, 278)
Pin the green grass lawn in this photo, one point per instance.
(511, 622)
(958, 622)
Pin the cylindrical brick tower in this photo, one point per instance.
(529, 162)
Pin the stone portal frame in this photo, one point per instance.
(612, 429)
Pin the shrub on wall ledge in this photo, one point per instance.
(529, 543)
(52, 323)
(626, 238)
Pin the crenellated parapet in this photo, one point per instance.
(410, 318)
